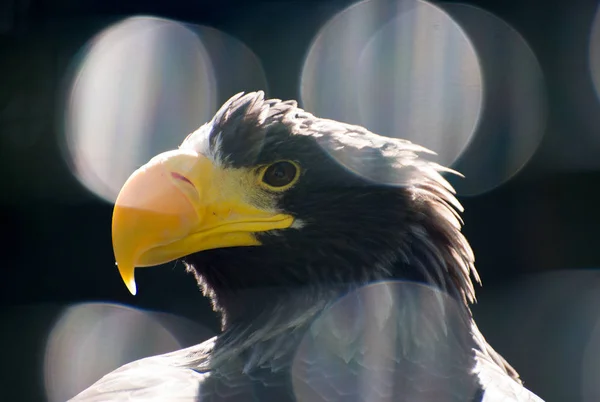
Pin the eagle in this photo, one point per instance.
(333, 255)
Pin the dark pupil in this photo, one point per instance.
(280, 174)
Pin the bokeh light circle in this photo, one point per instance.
(402, 69)
(388, 341)
(590, 363)
(143, 85)
(547, 326)
(236, 67)
(513, 119)
(594, 52)
(89, 340)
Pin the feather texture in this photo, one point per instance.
(365, 299)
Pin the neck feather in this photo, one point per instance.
(429, 248)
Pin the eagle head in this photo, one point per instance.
(266, 195)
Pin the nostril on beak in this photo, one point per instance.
(181, 177)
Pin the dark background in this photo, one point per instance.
(535, 236)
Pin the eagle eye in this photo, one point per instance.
(280, 175)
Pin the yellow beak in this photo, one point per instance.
(178, 204)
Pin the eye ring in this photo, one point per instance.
(280, 175)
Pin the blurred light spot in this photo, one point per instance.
(236, 67)
(590, 385)
(514, 114)
(402, 69)
(544, 326)
(595, 52)
(144, 84)
(388, 341)
(590, 366)
(90, 340)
